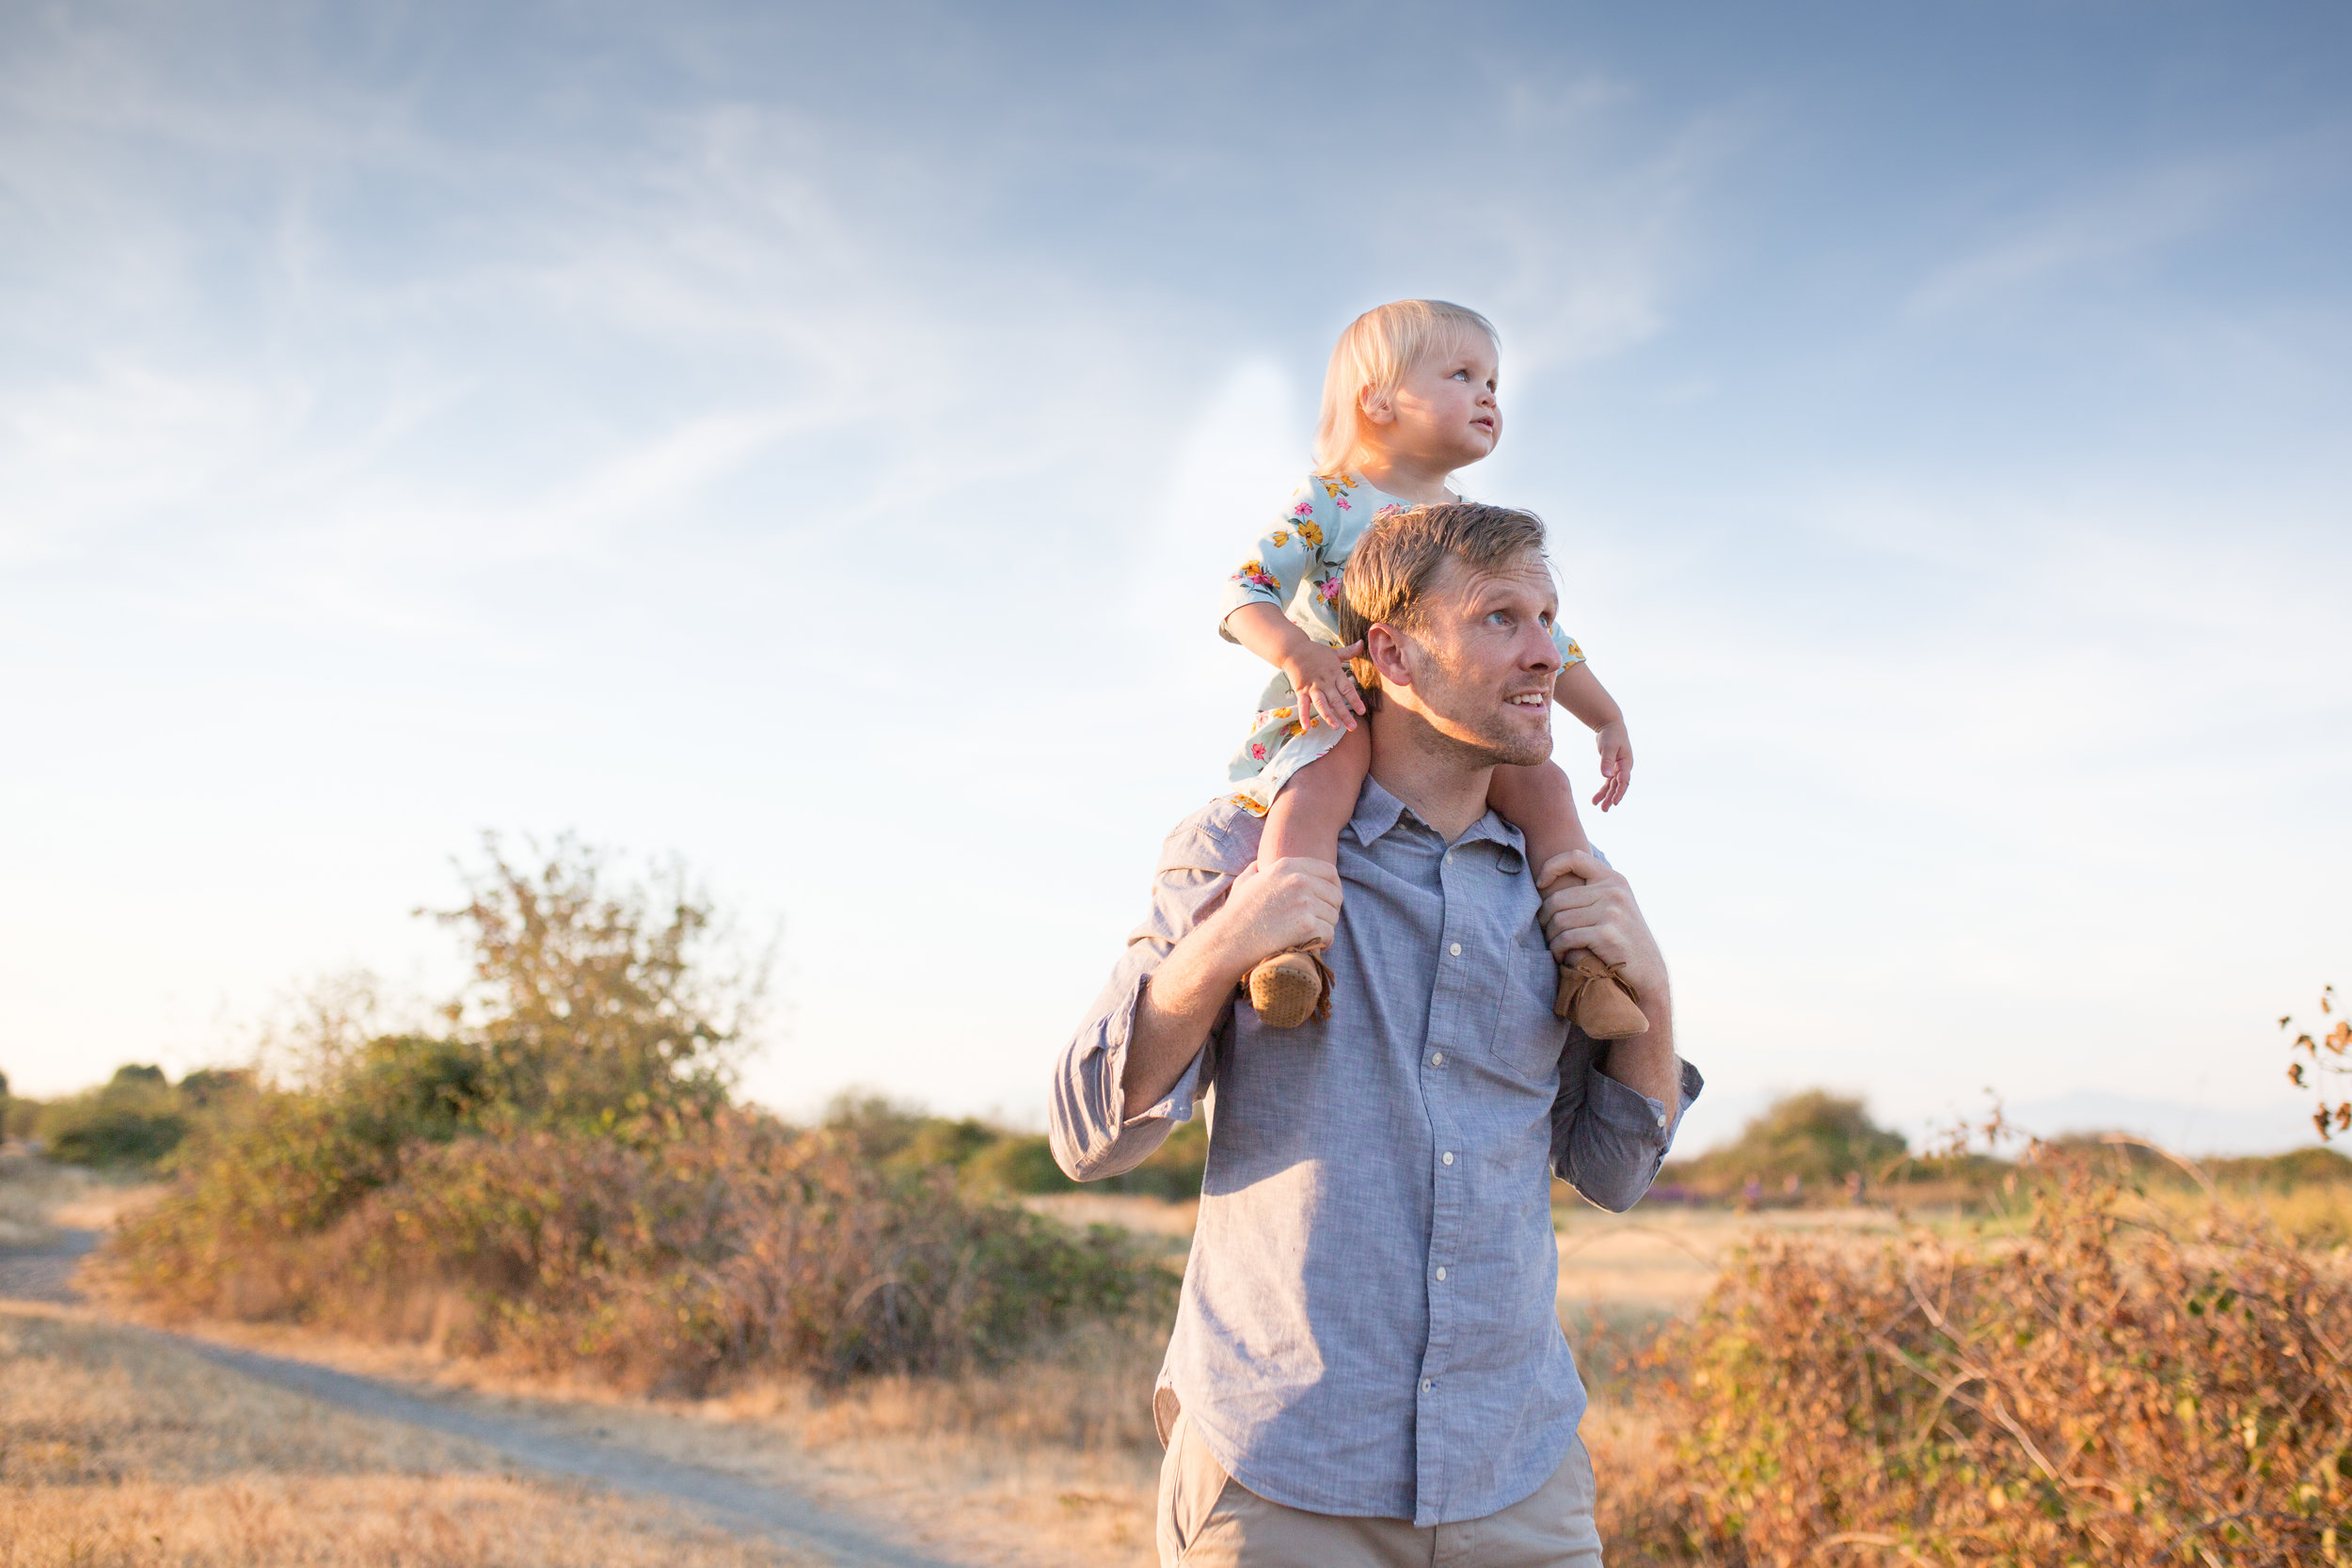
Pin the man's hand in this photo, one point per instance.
(1293, 903)
(1326, 686)
(1616, 764)
(1596, 912)
(1271, 908)
(1592, 907)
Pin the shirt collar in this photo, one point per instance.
(1377, 811)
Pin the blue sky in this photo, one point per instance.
(809, 442)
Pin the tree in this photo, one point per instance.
(1816, 1136)
(595, 1000)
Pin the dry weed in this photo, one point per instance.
(2094, 1389)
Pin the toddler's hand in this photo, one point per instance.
(1326, 686)
(1616, 764)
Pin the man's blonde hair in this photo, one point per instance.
(1394, 565)
(1373, 354)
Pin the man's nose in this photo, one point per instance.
(1539, 650)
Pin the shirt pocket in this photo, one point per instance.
(1528, 1038)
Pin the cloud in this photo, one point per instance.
(2104, 230)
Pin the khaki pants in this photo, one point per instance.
(1209, 1520)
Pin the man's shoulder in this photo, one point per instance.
(1220, 836)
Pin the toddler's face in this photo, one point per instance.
(1445, 408)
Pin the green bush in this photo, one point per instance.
(20, 1117)
(135, 1121)
(991, 1161)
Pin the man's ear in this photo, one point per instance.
(1386, 649)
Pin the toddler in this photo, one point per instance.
(1408, 398)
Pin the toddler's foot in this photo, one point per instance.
(1291, 987)
(1593, 998)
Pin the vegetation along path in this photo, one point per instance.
(738, 1503)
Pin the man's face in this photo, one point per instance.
(1483, 662)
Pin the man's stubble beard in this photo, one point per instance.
(1488, 741)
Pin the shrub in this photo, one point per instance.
(744, 1246)
(133, 1121)
(2097, 1389)
(560, 1179)
(1814, 1141)
(987, 1161)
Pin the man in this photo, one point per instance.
(1367, 1365)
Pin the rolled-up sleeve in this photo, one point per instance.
(1608, 1140)
(1089, 1132)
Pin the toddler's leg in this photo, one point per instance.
(1541, 804)
(1319, 799)
(1289, 987)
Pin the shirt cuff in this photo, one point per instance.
(1629, 1111)
(1176, 1105)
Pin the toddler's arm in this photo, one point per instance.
(1319, 674)
(1580, 693)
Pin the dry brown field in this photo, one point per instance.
(119, 1446)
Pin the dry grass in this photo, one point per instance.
(1053, 1462)
(116, 1447)
(30, 1191)
(38, 1198)
(346, 1522)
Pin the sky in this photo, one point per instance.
(808, 440)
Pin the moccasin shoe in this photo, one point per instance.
(1596, 1000)
(1291, 987)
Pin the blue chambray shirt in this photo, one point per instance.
(1368, 1325)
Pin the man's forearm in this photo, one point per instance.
(1647, 1063)
(1180, 1005)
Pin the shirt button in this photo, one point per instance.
(1426, 1385)
(1441, 1270)
(1437, 1058)
(1447, 1156)
(1456, 949)
(1662, 1119)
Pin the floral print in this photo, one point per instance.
(1298, 569)
(1254, 576)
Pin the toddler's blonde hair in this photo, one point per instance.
(1373, 354)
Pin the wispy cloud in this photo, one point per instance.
(2095, 233)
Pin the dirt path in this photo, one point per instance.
(543, 1445)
